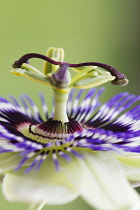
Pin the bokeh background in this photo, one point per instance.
(89, 30)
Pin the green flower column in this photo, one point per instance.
(60, 106)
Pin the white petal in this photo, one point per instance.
(131, 166)
(106, 187)
(45, 185)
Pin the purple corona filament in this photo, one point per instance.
(120, 78)
(112, 126)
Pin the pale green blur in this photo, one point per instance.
(88, 30)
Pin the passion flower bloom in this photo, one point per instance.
(83, 148)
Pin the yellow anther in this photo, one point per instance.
(17, 72)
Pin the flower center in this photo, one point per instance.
(51, 130)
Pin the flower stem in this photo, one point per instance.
(60, 112)
(36, 206)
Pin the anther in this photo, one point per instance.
(120, 82)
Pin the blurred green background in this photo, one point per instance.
(89, 30)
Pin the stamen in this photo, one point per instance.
(120, 77)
